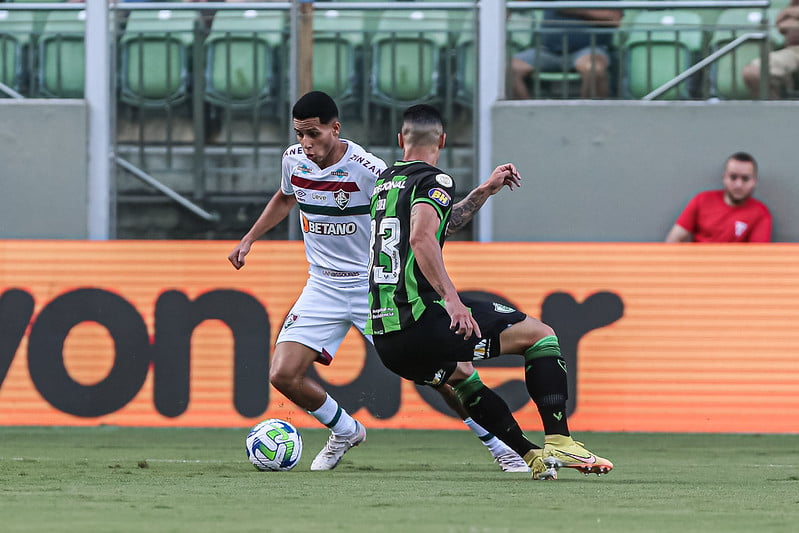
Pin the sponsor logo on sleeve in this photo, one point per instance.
(444, 180)
(439, 196)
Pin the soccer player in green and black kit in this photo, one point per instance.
(426, 333)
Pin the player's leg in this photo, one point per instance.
(546, 380)
(507, 459)
(288, 374)
(489, 410)
(313, 331)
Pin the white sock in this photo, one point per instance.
(333, 416)
(490, 440)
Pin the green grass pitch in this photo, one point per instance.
(198, 480)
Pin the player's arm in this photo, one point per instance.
(679, 234)
(275, 211)
(463, 211)
(427, 250)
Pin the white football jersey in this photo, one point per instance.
(334, 205)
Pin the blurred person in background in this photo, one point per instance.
(783, 65)
(730, 214)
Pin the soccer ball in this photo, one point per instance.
(274, 445)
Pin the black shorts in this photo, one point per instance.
(428, 351)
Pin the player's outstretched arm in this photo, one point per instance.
(463, 211)
(427, 250)
(275, 211)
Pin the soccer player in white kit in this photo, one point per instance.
(331, 181)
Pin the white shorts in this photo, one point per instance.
(327, 308)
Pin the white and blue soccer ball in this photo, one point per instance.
(274, 445)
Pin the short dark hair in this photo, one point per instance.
(315, 104)
(422, 125)
(423, 114)
(744, 157)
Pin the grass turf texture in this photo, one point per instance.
(198, 480)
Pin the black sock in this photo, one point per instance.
(489, 410)
(545, 376)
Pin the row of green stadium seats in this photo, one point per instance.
(407, 56)
(242, 51)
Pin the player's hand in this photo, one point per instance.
(504, 176)
(461, 320)
(236, 257)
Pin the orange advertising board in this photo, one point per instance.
(689, 338)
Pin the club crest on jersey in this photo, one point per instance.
(340, 173)
(444, 180)
(439, 196)
(342, 198)
(290, 320)
(499, 308)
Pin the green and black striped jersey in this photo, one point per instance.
(398, 291)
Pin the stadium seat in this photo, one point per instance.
(725, 74)
(154, 57)
(241, 52)
(520, 27)
(338, 48)
(16, 59)
(62, 61)
(406, 57)
(661, 45)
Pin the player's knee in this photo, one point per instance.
(521, 336)
(462, 372)
(534, 331)
(282, 380)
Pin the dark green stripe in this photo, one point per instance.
(335, 418)
(334, 211)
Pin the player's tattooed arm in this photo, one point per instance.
(464, 211)
(503, 176)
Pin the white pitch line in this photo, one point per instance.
(86, 459)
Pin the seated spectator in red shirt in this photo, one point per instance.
(727, 215)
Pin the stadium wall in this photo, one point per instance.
(167, 333)
(43, 178)
(623, 170)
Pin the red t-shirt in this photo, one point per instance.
(710, 219)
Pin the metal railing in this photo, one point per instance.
(619, 53)
(216, 151)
